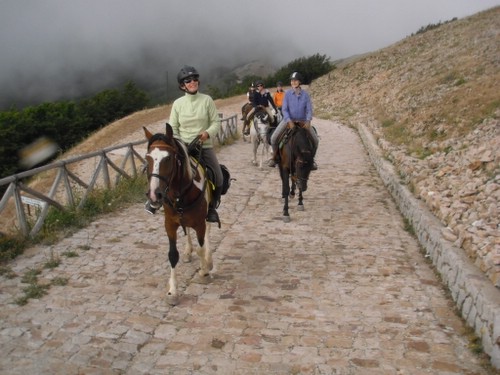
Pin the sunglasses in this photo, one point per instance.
(190, 79)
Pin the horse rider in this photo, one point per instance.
(278, 96)
(297, 108)
(192, 115)
(263, 98)
(246, 108)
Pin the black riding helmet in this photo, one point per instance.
(185, 72)
(297, 76)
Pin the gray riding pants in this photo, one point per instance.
(210, 158)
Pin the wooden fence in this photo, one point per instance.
(26, 202)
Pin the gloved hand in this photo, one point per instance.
(290, 124)
(307, 124)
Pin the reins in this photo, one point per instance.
(294, 154)
(177, 203)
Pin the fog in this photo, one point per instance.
(62, 49)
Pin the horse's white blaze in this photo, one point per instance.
(156, 156)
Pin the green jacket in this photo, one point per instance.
(193, 114)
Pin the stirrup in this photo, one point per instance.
(213, 216)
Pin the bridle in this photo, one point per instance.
(175, 199)
(297, 153)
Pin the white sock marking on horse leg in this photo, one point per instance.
(208, 250)
(172, 291)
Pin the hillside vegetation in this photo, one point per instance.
(432, 101)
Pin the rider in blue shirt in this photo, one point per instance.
(297, 107)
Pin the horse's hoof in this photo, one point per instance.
(186, 258)
(210, 265)
(286, 219)
(202, 278)
(172, 300)
(300, 208)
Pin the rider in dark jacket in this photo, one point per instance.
(262, 97)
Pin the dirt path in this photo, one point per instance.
(341, 289)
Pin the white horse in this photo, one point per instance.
(258, 136)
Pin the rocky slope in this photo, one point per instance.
(433, 102)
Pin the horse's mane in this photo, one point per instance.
(302, 141)
(185, 157)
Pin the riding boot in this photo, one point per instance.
(276, 157)
(314, 166)
(246, 127)
(212, 215)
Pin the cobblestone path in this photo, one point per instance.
(341, 289)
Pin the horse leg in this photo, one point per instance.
(300, 207)
(292, 190)
(204, 252)
(285, 183)
(255, 145)
(262, 146)
(265, 150)
(209, 263)
(188, 250)
(173, 257)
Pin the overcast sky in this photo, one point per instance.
(57, 48)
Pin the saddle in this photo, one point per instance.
(195, 151)
(290, 129)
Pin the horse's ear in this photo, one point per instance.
(168, 130)
(147, 133)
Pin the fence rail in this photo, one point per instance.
(22, 200)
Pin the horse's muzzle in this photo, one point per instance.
(156, 198)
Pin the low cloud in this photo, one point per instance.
(55, 49)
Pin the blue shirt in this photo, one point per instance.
(297, 107)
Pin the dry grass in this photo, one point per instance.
(431, 86)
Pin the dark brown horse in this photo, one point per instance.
(178, 182)
(296, 160)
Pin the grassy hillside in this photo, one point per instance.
(432, 101)
(430, 86)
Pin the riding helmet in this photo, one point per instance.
(185, 72)
(279, 84)
(296, 75)
(259, 82)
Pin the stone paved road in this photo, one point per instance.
(341, 289)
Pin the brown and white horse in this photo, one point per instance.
(178, 182)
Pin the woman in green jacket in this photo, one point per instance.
(195, 114)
